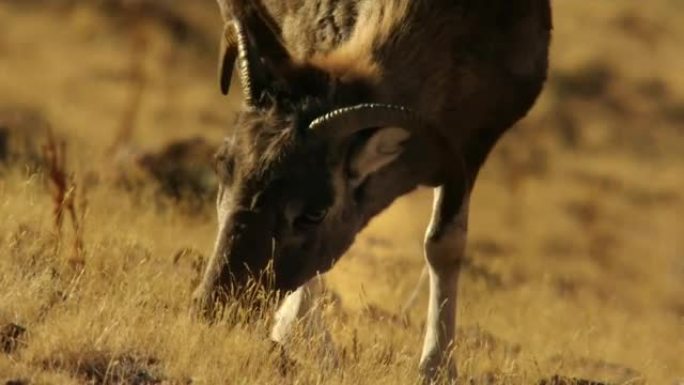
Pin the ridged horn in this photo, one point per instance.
(261, 56)
(346, 121)
(243, 59)
(227, 57)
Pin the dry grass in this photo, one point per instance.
(576, 259)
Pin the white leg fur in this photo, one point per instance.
(444, 249)
(302, 309)
(294, 306)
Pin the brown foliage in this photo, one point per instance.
(66, 195)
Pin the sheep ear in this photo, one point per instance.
(228, 52)
(382, 148)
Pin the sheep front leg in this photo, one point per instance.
(303, 308)
(444, 250)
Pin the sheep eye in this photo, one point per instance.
(311, 218)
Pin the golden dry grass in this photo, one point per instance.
(576, 255)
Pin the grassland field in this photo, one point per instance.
(575, 262)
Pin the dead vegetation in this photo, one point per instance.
(558, 380)
(11, 337)
(574, 274)
(68, 199)
(100, 368)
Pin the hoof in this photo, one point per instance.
(204, 306)
(436, 370)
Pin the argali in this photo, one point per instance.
(350, 104)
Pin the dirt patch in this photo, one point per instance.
(593, 368)
(560, 380)
(16, 382)
(183, 168)
(102, 368)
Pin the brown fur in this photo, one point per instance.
(472, 67)
(294, 194)
(469, 68)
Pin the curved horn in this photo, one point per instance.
(254, 40)
(227, 56)
(349, 120)
(244, 67)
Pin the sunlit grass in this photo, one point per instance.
(574, 262)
